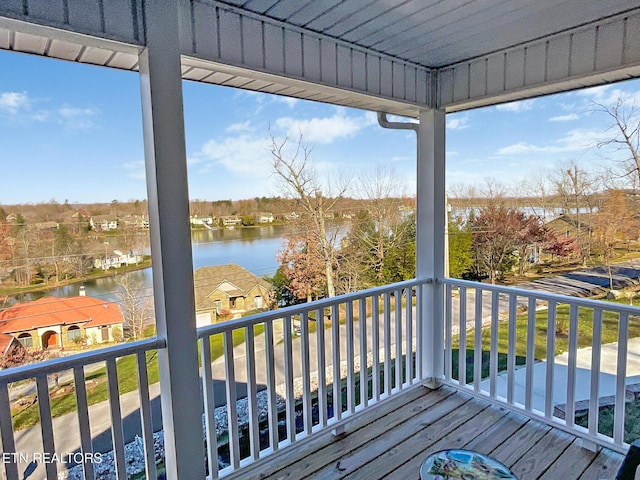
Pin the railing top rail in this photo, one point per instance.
(85, 358)
(553, 297)
(306, 307)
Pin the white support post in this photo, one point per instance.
(430, 247)
(166, 166)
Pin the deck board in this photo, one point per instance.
(571, 464)
(476, 427)
(391, 439)
(521, 443)
(542, 455)
(401, 445)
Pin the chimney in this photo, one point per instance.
(82, 292)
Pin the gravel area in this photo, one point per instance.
(134, 451)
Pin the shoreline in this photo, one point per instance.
(8, 292)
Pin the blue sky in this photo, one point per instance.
(73, 132)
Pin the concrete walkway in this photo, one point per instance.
(608, 367)
(583, 283)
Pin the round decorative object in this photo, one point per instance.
(463, 465)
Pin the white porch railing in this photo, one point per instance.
(305, 369)
(267, 380)
(19, 451)
(272, 379)
(587, 376)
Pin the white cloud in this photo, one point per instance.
(12, 102)
(135, 169)
(597, 92)
(458, 122)
(565, 118)
(76, 118)
(289, 101)
(520, 106)
(573, 141)
(519, 148)
(401, 159)
(239, 127)
(21, 108)
(371, 117)
(324, 130)
(242, 154)
(608, 96)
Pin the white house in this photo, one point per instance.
(195, 220)
(264, 217)
(103, 223)
(116, 259)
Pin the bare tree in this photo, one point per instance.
(537, 188)
(25, 240)
(493, 191)
(300, 181)
(575, 188)
(625, 128)
(614, 223)
(381, 191)
(136, 305)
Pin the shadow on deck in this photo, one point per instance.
(391, 439)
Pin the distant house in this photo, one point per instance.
(228, 289)
(406, 212)
(568, 226)
(103, 223)
(46, 226)
(196, 220)
(136, 221)
(116, 259)
(52, 322)
(264, 217)
(231, 220)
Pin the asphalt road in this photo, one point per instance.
(66, 430)
(66, 427)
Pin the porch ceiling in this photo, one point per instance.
(393, 55)
(436, 33)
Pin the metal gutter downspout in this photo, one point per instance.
(385, 123)
(431, 252)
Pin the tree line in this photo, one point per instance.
(490, 235)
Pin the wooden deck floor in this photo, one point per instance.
(395, 436)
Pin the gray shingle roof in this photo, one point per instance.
(208, 279)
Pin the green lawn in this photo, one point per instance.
(502, 364)
(63, 398)
(585, 337)
(606, 420)
(585, 331)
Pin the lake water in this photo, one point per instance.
(252, 248)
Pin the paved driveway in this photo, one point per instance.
(607, 387)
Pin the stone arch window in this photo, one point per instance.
(74, 334)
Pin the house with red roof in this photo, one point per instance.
(52, 322)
